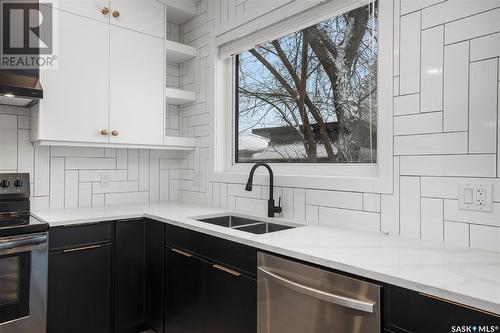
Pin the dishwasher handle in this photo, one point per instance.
(347, 302)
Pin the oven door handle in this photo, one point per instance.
(347, 302)
(25, 242)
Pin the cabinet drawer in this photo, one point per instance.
(410, 311)
(61, 238)
(241, 257)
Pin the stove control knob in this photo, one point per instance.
(5, 183)
(18, 183)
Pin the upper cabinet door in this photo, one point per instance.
(76, 92)
(147, 16)
(94, 9)
(137, 82)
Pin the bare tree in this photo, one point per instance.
(323, 73)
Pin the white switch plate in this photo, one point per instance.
(481, 200)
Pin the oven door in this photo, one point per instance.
(16, 261)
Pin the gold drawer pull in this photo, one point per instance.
(104, 10)
(82, 248)
(104, 132)
(116, 14)
(185, 254)
(115, 133)
(227, 270)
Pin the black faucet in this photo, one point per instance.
(271, 208)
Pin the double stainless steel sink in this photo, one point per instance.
(246, 224)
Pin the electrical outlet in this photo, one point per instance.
(104, 180)
(475, 196)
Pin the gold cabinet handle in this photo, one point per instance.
(185, 254)
(115, 133)
(104, 132)
(227, 270)
(82, 248)
(104, 10)
(116, 14)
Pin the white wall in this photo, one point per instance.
(446, 127)
(70, 176)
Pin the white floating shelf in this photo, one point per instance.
(177, 52)
(169, 143)
(179, 11)
(179, 96)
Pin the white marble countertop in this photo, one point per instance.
(467, 276)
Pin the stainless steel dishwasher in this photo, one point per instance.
(297, 298)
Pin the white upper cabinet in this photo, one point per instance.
(94, 9)
(147, 16)
(137, 79)
(76, 96)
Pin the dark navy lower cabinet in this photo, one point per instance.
(130, 274)
(80, 284)
(410, 311)
(210, 285)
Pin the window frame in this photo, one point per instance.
(363, 177)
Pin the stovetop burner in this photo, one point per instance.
(14, 219)
(15, 216)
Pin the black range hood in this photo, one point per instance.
(20, 88)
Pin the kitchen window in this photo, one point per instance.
(311, 95)
(321, 111)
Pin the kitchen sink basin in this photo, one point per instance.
(246, 224)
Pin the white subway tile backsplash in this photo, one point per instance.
(352, 219)
(397, 30)
(41, 171)
(407, 104)
(299, 204)
(422, 123)
(447, 187)
(389, 205)
(239, 190)
(410, 207)
(57, 183)
(133, 164)
(8, 142)
(452, 213)
(371, 202)
(348, 200)
(75, 163)
(456, 87)
(483, 106)
(312, 214)
(121, 159)
(84, 195)
(126, 198)
(408, 6)
(432, 70)
(432, 219)
(456, 233)
(25, 152)
(429, 144)
(410, 54)
(449, 165)
(251, 205)
(71, 190)
(473, 26)
(96, 175)
(57, 151)
(484, 237)
(453, 10)
(287, 202)
(485, 47)
(115, 187)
